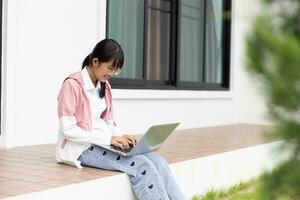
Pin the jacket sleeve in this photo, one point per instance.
(67, 106)
(114, 129)
(69, 129)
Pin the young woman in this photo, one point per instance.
(85, 113)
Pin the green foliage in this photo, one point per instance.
(235, 192)
(273, 55)
(244, 196)
(282, 183)
(273, 52)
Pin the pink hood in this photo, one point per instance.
(73, 101)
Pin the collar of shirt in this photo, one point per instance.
(87, 81)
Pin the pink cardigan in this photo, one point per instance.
(73, 101)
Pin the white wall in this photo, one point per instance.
(250, 100)
(44, 41)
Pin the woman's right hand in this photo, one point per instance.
(119, 141)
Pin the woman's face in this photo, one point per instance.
(103, 70)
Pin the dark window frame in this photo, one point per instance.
(174, 83)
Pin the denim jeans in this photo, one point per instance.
(150, 176)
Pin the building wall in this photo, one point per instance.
(44, 41)
(251, 104)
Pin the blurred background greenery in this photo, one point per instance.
(273, 56)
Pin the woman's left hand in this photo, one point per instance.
(130, 138)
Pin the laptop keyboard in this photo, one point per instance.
(126, 150)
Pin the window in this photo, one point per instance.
(171, 44)
(158, 40)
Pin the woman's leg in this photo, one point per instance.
(145, 179)
(169, 182)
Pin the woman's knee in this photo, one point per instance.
(157, 159)
(143, 164)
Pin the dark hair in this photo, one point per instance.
(105, 51)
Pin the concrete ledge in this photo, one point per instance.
(170, 94)
(194, 176)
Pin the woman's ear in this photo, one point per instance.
(95, 61)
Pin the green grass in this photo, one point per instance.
(236, 192)
(282, 183)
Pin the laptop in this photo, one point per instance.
(151, 140)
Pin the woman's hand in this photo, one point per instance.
(131, 139)
(119, 142)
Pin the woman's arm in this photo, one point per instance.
(67, 106)
(114, 129)
(70, 130)
(130, 139)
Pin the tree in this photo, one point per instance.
(273, 55)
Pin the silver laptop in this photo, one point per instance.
(151, 140)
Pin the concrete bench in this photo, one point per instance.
(199, 158)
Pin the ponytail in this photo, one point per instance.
(102, 90)
(86, 61)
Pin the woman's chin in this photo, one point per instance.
(104, 79)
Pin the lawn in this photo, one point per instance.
(241, 191)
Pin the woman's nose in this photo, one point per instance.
(110, 74)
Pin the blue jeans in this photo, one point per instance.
(150, 176)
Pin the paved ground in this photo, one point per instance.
(33, 168)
